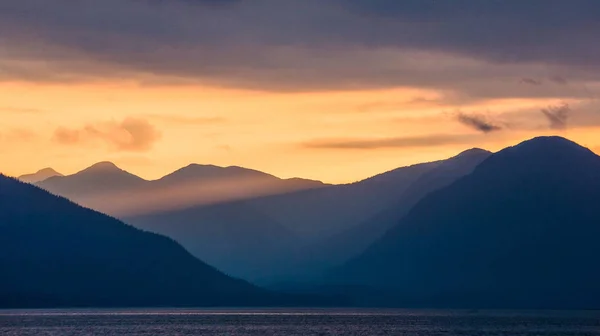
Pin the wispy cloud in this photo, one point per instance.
(17, 134)
(392, 142)
(186, 120)
(131, 134)
(558, 80)
(478, 122)
(19, 110)
(557, 115)
(531, 81)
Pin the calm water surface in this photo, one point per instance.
(296, 322)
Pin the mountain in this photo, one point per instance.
(521, 231)
(109, 189)
(248, 238)
(102, 177)
(318, 214)
(236, 238)
(54, 253)
(41, 175)
(102, 186)
(356, 239)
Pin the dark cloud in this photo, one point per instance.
(531, 81)
(476, 47)
(557, 115)
(478, 122)
(395, 142)
(129, 135)
(559, 80)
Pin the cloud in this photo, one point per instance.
(20, 110)
(531, 81)
(558, 80)
(135, 135)
(301, 45)
(478, 122)
(393, 142)
(557, 115)
(186, 120)
(17, 134)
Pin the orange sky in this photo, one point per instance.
(330, 90)
(153, 130)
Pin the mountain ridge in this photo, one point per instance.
(517, 232)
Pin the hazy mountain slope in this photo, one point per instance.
(355, 240)
(109, 189)
(55, 253)
(321, 213)
(102, 177)
(233, 237)
(521, 231)
(39, 176)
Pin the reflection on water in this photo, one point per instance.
(296, 322)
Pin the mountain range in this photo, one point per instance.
(512, 229)
(300, 234)
(110, 189)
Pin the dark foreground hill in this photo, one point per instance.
(54, 253)
(521, 231)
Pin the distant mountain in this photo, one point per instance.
(521, 231)
(246, 238)
(103, 187)
(39, 176)
(54, 253)
(350, 243)
(109, 189)
(318, 214)
(236, 238)
(196, 172)
(102, 177)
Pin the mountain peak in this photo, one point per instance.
(40, 175)
(208, 171)
(104, 166)
(552, 140)
(473, 151)
(48, 171)
(548, 146)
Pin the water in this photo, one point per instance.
(296, 322)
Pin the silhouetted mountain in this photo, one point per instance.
(55, 253)
(235, 238)
(41, 175)
(107, 188)
(521, 231)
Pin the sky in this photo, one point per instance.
(334, 90)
